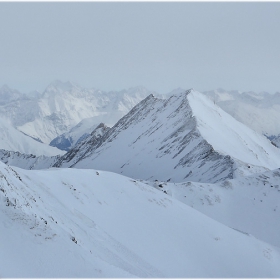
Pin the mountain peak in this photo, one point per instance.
(181, 92)
(6, 88)
(59, 86)
(189, 91)
(7, 94)
(187, 135)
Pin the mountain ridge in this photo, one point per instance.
(178, 135)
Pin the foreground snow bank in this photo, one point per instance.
(86, 223)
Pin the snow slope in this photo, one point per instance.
(231, 137)
(13, 140)
(186, 137)
(249, 204)
(87, 223)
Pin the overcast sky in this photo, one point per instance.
(161, 46)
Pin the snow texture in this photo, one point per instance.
(88, 223)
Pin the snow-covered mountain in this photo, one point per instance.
(87, 223)
(85, 147)
(29, 161)
(249, 204)
(259, 111)
(68, 140)
(186, 137)
(63, 105)
(13, 140)
(8, 95)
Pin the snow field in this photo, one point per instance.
(123, 228)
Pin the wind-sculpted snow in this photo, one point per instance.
(182, 138)
(75, 223)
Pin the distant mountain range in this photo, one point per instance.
(13, 140)
(62, 106)
(49, 116)
(71, 113)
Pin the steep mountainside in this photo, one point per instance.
(85, 146)
(186, 137)
(86, 223)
